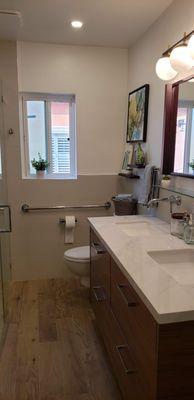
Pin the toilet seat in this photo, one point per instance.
(78, 254)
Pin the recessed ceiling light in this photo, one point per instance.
(77, 24)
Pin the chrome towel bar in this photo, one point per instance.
(26, 208)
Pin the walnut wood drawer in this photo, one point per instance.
(176, 361)
(137, 324)
(99, 271)
(129, 377)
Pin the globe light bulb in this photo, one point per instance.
(191, 46)
(180, 59)
(164, 69)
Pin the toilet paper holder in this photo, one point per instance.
(62, 220)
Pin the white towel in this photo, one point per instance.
(123, 196)
(146, 184)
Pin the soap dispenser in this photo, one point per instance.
(189, 231)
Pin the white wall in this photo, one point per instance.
(143, 55)
(98, 77)
(169, 28)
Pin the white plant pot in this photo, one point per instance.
(165, 183)
(40, 174)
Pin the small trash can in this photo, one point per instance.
(125, 206)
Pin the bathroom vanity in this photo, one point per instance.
(142, 292)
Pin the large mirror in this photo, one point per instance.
(179, 129)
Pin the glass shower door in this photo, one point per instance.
(5, 224)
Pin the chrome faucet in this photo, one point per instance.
(172, 200)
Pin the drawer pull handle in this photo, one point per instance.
(98, 248)
(126, 369)
(129, 303)
(99, 293)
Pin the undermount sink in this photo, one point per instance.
(137, 228)
(179, 264)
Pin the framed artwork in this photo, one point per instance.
(137, 114)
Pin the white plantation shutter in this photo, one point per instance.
(60, 151)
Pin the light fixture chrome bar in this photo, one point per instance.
(26, 208)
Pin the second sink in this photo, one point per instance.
(179, 264)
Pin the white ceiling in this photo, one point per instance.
(115, 23)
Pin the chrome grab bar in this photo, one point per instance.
(26, 208)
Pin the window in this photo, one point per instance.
(49, 129)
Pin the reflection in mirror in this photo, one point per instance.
(184, 144)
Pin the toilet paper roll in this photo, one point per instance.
(69, 228)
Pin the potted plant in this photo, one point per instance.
(165, 181)
(40, 166)
(191, 164)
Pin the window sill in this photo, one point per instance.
(183, 175)
(48, 177)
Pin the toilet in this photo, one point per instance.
(77, 260)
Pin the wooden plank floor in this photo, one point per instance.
(52, 350)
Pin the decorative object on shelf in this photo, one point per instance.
(137, 114)
(128, 157)
(131, 153)
(188, 232)
(178, 221)
(139, 156)
(40, 166)
(177, 59)
(125, 160)
(165, 181)
(129, 163)
(129, 170)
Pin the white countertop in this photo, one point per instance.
(167, 300)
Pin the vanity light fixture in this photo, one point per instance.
(77, 24)
(180, 58)
(177, 59)
(191, 46)
(164, 69)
